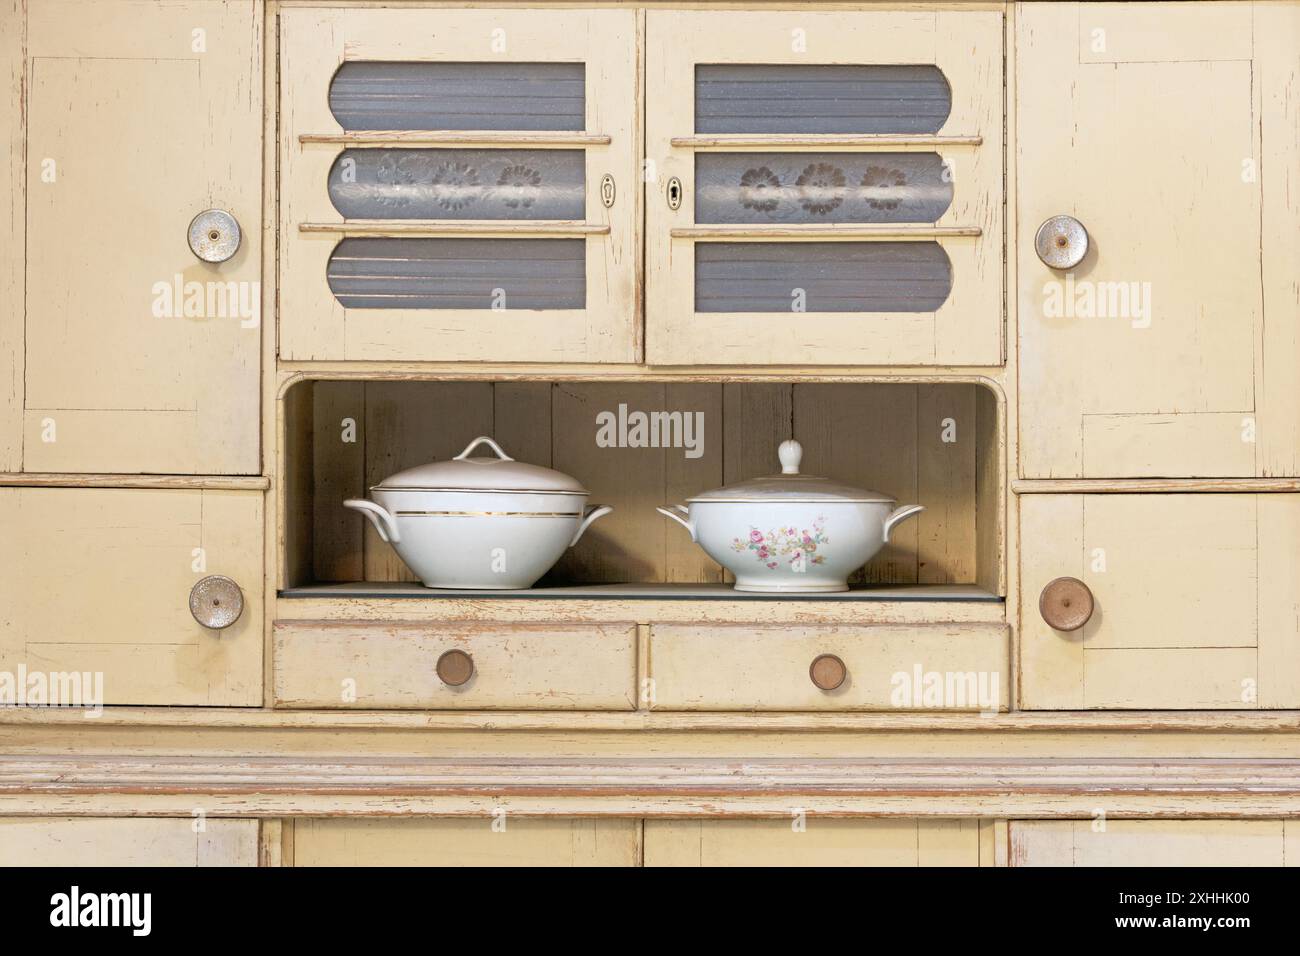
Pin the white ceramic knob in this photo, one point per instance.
(790, 453)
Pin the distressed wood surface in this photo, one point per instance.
(1155, 843)
(77, 841)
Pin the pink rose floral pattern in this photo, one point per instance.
(791, 545)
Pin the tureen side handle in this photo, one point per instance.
(901, 513)
(682, 515)
(384, 523)
(589, 514)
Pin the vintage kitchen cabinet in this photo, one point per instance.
(827, 187)
(99, 581)
(139, 356)
(473, 841)
(1195, 599)
(460, 184)
(1155, 843)
(812, 842)
(1171, 349)
(141, 841)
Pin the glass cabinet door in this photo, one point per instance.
(825, 188)
(459, 185)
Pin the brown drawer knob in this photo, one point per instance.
(455, 668)
(216, 601)
(827, 671)
(1066, 604)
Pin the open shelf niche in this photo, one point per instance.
(936, 444)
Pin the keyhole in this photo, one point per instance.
(674, 193)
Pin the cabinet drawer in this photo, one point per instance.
(927, 667)
(812, 842)
(96, 584)
(476, 841)
(87, 841)
(1196, 599)
(1155, 843)
(449, 666)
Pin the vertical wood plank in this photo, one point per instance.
(990, 495)
(757, 418)
(1279, 601)
(339, 455)
(947, 436)
(13, 37)
(684, 560)
(521, 413)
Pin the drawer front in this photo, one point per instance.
(87, 841)
(477, 841)
(96, 588)
(460, 185)
(927, 667)
(1196, 599)
(449, 666)
(810, 841)
(1155, 843)
(827, 188)
(1169, 133)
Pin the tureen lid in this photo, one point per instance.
(464, 473)
(791, 486)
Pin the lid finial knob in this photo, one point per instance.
(790, 453)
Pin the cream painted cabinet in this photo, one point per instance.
(96, 586)
(139, 356)
(460, 185)
(1155, 843)
(1169, 132)
(1196, 599)
(810, 841)
(140, 841)
(824, 187)
(470, 841)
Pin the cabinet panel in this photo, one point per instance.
(460, 185)
(735, 667)
(1196, 601)
(475, 841)
(827, 187)
(87, 841)
(1155, 843)
(812, 842)
(1170, 350)
(139, 356)
(98, 581)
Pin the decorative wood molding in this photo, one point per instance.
(1124, 486)
(397, 228)
(811, 231)
(205, 482)
(866, 141)
(490, 139)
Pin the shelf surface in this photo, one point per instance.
(647, 592)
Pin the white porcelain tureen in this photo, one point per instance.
(790, 532)
(479, 523)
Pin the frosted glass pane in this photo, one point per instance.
(459, 184)
(821, 276)
(777, 98)
(433, 96)
(820, 187)
(374, 273)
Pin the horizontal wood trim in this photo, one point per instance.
(491, 139)
(400, 228)
(821, 140)
(864, 231)
(1123, 486)
(205, 482)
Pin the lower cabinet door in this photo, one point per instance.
(139, 841)
(1155, 843)
(95, 586)
(1195, 601)
(809, 841)
(469, 841)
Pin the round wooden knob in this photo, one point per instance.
(216, 602)
(1066, 604)
(827, 671)
(455, 668)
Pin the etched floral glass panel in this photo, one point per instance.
(367, 95)
(810, 98)
(820, 187)
(459, 184)
(794, 277)
(454, 273)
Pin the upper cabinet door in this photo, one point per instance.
(460, 185)
(824, 188)
(1169, 132)
(140, 355)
